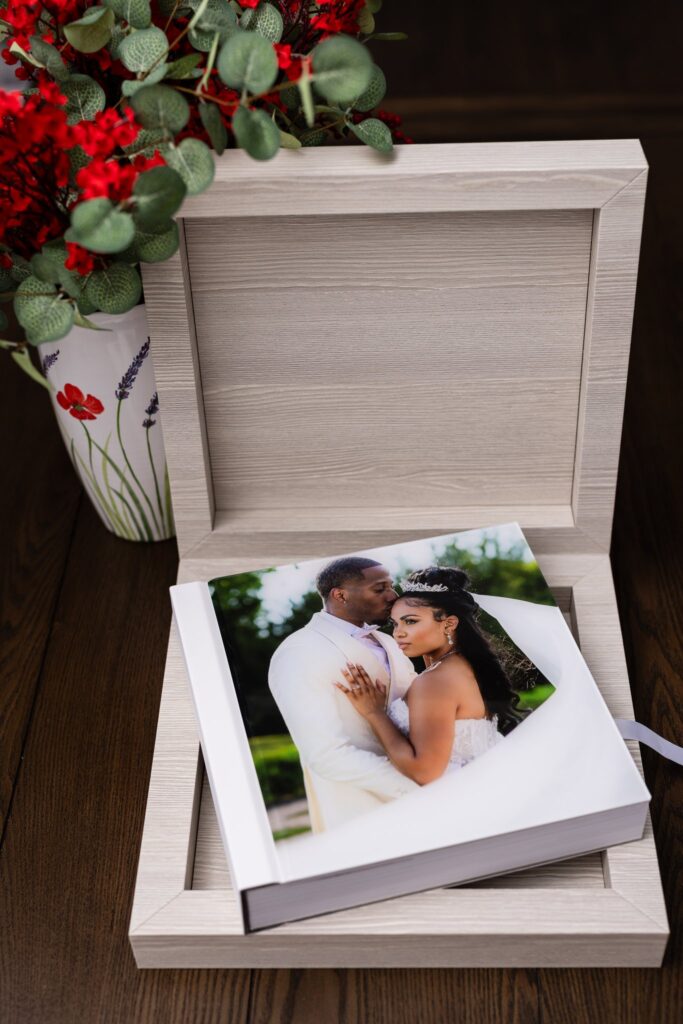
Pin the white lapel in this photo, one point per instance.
(402, 671)
(352, 649)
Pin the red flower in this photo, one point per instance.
(109, 130)
(284, 54)
(249, 3)
(79, 259)
(294, 69)
(81, 407)
(106, 178)
(341, 16)
(145, 163)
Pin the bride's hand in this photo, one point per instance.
(367, 697)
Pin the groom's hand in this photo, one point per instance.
(368, 698)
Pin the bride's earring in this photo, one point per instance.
(449, 637)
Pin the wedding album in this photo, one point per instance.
(398, 719)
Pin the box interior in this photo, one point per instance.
(461, 391)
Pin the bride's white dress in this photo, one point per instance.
(473, 736)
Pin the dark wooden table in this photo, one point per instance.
(85, 621)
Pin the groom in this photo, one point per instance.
(346, 771)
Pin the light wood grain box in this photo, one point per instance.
(353, 350)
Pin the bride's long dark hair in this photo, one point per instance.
(472, 641)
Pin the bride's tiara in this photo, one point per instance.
(407, 586)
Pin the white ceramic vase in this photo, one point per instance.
(104, 396)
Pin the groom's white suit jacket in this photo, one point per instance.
(346, 771)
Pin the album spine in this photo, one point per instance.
(241, 812)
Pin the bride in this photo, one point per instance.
(461, 705)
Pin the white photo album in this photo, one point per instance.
(397, 719)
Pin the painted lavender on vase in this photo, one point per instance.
(105, 399)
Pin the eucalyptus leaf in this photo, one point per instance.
(130, 86)
(248, 61)
(20, 269)
(210, 62)
(143, 49)
(193, 161)
(158, 194)
(72, 283)
(92, 31)
(24, 54)
(152, 247)
(97, 225)
(115, 289)
(41, 311)
(201, 40)
(46, 268)
(375, 92)
(264, 19)
(366, 21)
(198, 7)
(375, 133)
(288, 141)
(217, 16)
(374, 6)
(50, 57)
(85, 306)
(183, 67)
(137, 13)
(213, 123)
(82, 321)
(256, 133)
(315, 138)
(118, 34)
(78, 158)
(159, 106)
(49, 265)
(148, 141)
(342, 68)
(84, 97)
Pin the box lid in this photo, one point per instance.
(400, 344)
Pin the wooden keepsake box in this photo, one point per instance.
(355, 349)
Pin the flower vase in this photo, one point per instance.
(105, 399)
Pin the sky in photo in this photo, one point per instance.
(290, 582)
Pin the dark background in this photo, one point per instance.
(85, 616)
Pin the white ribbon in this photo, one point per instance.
(635, 731)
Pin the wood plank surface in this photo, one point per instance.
(67, 865)
(39, 499)
(86, 719)
(647, 558)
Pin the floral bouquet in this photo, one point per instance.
(124, 104)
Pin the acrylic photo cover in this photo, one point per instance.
(363, 677)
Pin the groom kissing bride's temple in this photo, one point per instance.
(368, 727)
